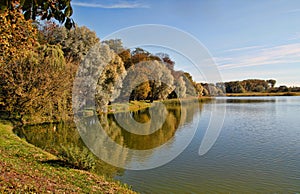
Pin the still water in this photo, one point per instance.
(257, 150)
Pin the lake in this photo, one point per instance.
(257, 150)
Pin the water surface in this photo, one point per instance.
(258, 150)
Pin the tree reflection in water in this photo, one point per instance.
(52, 137)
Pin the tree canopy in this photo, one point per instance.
(60, 10)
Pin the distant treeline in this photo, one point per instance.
(254, 85)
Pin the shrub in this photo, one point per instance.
(80, 158)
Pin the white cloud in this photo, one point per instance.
(243, 48)
(120, 5)
(282, 54)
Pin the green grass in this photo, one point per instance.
(25, 168)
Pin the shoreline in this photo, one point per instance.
(140, 105)
(253, 94)
(27, 168)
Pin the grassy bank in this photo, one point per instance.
(139, 105)
(26, 168)
(263, 94)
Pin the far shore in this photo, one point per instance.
(263, 94)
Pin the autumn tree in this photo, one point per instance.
(35, 80)
(139, 55)
(17, 35)
(126, 58)
(33, 86)
(156, 73)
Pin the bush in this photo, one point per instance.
(80, 158)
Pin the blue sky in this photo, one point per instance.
(247, 39)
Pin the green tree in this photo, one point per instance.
(60, 10)
(234, 87)
(272, 82)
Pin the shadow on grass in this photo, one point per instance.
(59, 163)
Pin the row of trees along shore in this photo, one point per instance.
(39, 61)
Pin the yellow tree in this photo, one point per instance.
(17, 35)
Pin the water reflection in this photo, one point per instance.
(239, 100)
(114, 143)
(53, 137)
(57, 137)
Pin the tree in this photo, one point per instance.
(17, 35)
(199, 88)
(167, 60)
(189, 84)
(75, 43)
(155, 73)
(60, 10)
(139, 55)
(35, 85)
(141, 92)
(255, 85)
(115, 44)
(99, 79)
(126, 58)
(180, 89)
(110, 81)
(272, 82)
(234, 87)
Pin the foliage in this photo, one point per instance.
(60, 10)
(110, 81)
(212, 90)
(250, 85)
(126, 58)
(115, 44)
(234, 87)
(17, 35)
(36, 84)
(75, 43)
(158, 76)
(189, 84)
(272, 82)
(80, 158)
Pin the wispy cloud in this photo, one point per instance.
(293, 11)
(244, 48)
(282, 54)
(119, 5)
(295, 36)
